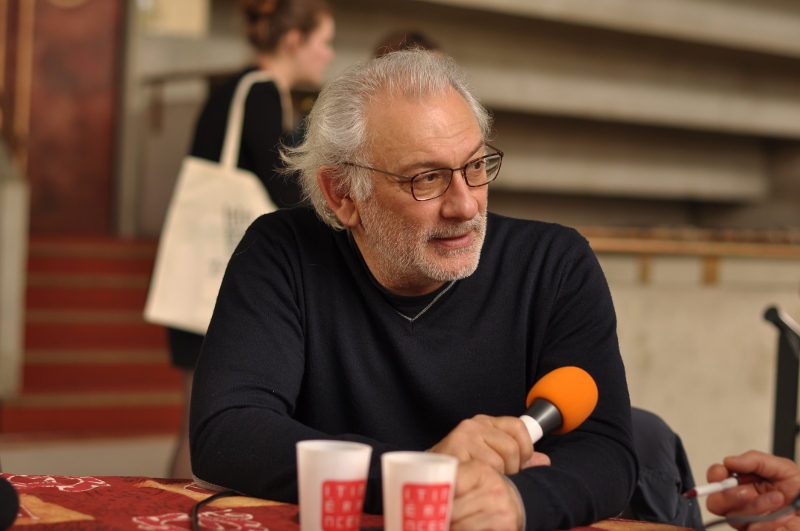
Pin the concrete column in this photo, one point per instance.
(14, 211)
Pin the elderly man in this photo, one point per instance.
(399, 313)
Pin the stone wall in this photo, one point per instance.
(702, 356)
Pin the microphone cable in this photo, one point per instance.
(196, 508)
(792, 507)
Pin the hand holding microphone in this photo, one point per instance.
(490, 447)
(558, 403)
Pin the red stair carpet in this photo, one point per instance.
(92, 365)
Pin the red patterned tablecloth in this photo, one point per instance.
(142, 504)
(106, 503)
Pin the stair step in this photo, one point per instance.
(102, 356)
(109, 421)
(92, 364)
(132, 413)
(102, 266)
(93, 378)
(94, 336)
(72, 413)
(94, 298)
(99, 317)
(39, 280)
(94, 247)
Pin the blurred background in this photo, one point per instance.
(666, 131)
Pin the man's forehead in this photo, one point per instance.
(401, 122)
(388, 97)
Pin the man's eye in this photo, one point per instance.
(477, 165)
(431, 177)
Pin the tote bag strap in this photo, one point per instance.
(233, 134)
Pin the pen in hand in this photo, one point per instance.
(725, 484)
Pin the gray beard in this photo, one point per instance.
(399, 248)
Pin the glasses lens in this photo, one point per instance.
(483, 171)
(493, 167)
(431, 184)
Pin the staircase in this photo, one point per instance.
(93, 367)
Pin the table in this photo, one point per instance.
(110, 503)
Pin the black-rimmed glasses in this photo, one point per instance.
(431, 184)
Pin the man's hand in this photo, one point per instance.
(501, 442)
(780, 489)
(485, 499)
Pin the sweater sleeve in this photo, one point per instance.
(593, 471)
(250, 373)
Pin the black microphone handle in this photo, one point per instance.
(9, 504)
(546, 414)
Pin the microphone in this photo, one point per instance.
(9, 504)
(559, 402)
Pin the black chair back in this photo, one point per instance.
(785, 426)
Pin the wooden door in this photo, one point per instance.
(61, 66)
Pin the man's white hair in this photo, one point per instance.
(336, 127)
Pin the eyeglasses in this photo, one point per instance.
(434, 183)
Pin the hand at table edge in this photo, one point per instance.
(781, 487)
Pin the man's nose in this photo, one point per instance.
(460, 201)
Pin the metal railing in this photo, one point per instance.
(785, 426)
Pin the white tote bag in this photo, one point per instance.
(211, 207)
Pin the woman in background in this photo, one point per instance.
(293, 41)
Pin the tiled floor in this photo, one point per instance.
(134, 456)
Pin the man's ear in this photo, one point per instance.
(338, 197)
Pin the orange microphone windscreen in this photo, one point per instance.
(571, 390)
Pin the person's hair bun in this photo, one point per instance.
(259, 9)
(269, 20)
(268, 7)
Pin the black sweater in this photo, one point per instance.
(303, 345)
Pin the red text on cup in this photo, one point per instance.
(342, 502)
(425, 507)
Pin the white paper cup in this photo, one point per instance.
(418, 490)
(331, 482)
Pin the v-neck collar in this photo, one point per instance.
(410, 308)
